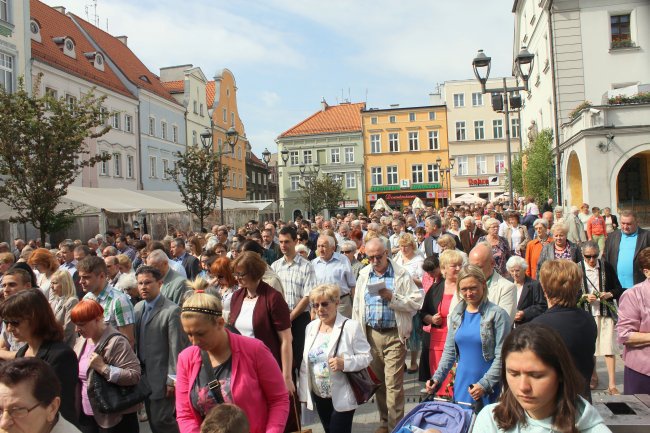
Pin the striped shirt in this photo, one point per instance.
(118, 310)
(297, 277)
(378, 314)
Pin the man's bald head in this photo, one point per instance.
(481, 256)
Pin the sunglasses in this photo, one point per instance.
(590, 256)
(13, 323)
(347, 251)
(317, 305)
(377, 257)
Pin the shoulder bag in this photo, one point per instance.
(107, 397)
(364, 382)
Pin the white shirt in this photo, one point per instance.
(244, 322)
(593, 280)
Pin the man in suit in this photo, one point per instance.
(173, 286)
(271, 248)
(433, 225)
(188, 261)
(622, 248)
(469, 236)
(159, 340)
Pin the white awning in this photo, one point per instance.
(261, 205)
(177, 198)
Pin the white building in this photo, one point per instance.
(14, 43)
(592, 51)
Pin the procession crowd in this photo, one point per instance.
(238, 329)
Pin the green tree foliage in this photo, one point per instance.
(323, 192)
(538, 175)
(43, 148)
(197, 182)
(517, 175)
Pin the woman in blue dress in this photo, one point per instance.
(476, 331)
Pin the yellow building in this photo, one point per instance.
(401, 148)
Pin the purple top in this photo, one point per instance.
(634, 316)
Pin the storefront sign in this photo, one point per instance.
(349, 204)
(488, 181)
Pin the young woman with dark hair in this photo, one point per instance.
(540, 388)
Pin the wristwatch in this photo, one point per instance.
(106, 371)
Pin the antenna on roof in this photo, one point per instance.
(94, 18)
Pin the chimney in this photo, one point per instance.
(394, 105)
(60, 9)
(323, 104)
(122, 39)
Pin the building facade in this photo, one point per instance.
(477, 138)
(401, 147)
(15, 44)
(257, 178)
(590, 85)
(332, 138)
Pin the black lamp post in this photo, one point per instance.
(232, 137)
(504, 98)
(266, 157)
(308, 174)
(445, 172)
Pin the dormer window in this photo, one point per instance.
(35, 30)
(96, 58)
(67, 45)
(144, 78)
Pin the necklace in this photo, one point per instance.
(249, 296)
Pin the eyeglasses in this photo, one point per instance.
(347, 251)
(317, 305)
(219, 277)
(18, 412)
(588, 256)
(13, 323)
(377, 257)
(240, 274)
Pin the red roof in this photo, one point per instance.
(55, 24)
(210, 91)
(337, 118)
(126, 60)
(177, 86)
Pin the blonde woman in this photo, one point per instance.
(63, 298)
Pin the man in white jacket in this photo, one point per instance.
(385, 301)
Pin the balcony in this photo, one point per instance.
(624, 115)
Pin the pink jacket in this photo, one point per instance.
(257, 386)
(634, 316)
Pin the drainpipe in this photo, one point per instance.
(556, 125)
(139, 147)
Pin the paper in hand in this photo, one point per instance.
(374, 288)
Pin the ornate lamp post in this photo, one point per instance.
(308, 174)
(207, 140)
(266, 157)
(445, 172)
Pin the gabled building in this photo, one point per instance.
(257, 178)
(160, 120)
(14, 44)
(332, 137)
(71, 67)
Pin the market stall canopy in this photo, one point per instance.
(418, 204)
(260, 205)
(176, 198)
(468, 199)
(381, 204)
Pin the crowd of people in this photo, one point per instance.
(240, 330)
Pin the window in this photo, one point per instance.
(411, 117)
(350, 180)
(433, 175)
(306, 156)
(460, 130)
(459, 100)
(129, 166)
(416, 173)
(434, 143)
(337, 177)
(232, 119)
(103, 114)
(335, 156)
(392, 119)
(293, 157)
(373, 120)
(461, 164)
(432, 115)
(349, 155)
(103, 168)
(225, 116)
(194, 138)
(152, 126)
(497, 128)
(4, 10)
(414, 141)
(201, 109)
(393, 142)
(479, 130)
(128, 123)
(115, 120)
(239, 153)
(620, 25)
(295, 183)
(375, 176)
(375, 143)
(477, 99)
(175, 134)
(53, 94)
(391, 175)
(165, 168)
(499, 163)
(195, 107)
(117, 164)
(163, 130)
(153, 163)
(514, 127)
(481, 164)
(70, 100)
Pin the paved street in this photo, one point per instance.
(366, 419)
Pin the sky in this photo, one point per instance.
(287, 55)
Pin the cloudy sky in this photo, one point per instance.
(289, 54)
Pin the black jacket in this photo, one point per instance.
(432, 300)
(192, 266)
(612, 245)
(532, 301)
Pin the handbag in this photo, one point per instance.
(364, 383)
(107, 397)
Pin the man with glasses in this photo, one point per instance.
(335, 268)
(385, 301)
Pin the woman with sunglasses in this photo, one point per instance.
(322, 379)
(349, 250)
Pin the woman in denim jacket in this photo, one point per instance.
(477, 329)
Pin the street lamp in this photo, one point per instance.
(445, 172)
(503, 98)
(308, 175)
(266, 157)
(232, 137)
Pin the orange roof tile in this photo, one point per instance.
(210, 90)
(336, 118)
(126, 60)
(55, 24)
(177, 86)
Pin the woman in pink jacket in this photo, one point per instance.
(222, 367)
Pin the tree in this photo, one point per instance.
(43, 148)
(538, 175)
(194, 175)
(323, 192)
(517, 175)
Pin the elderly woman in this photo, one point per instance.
(447, 242)
(561, 248)
(534, 247)
(478, 359)
(633, 329)
(223, 367)
(498, 244)
(530, 297)
(63, 298)
(516, 234)
(600, 283)
(349, 250)
(125, 264)
(333, 345)
(46, 264)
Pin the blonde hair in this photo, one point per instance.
(202, 305)
(446, 241)
(472, 271)
(67, 285)
(490, 222)
(407, 239)
(560, 226)
(330, 291)
(450, 257)
(124, 260)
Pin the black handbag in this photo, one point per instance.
(108, 397)
(364, 383)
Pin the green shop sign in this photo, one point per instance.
(417, 186)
